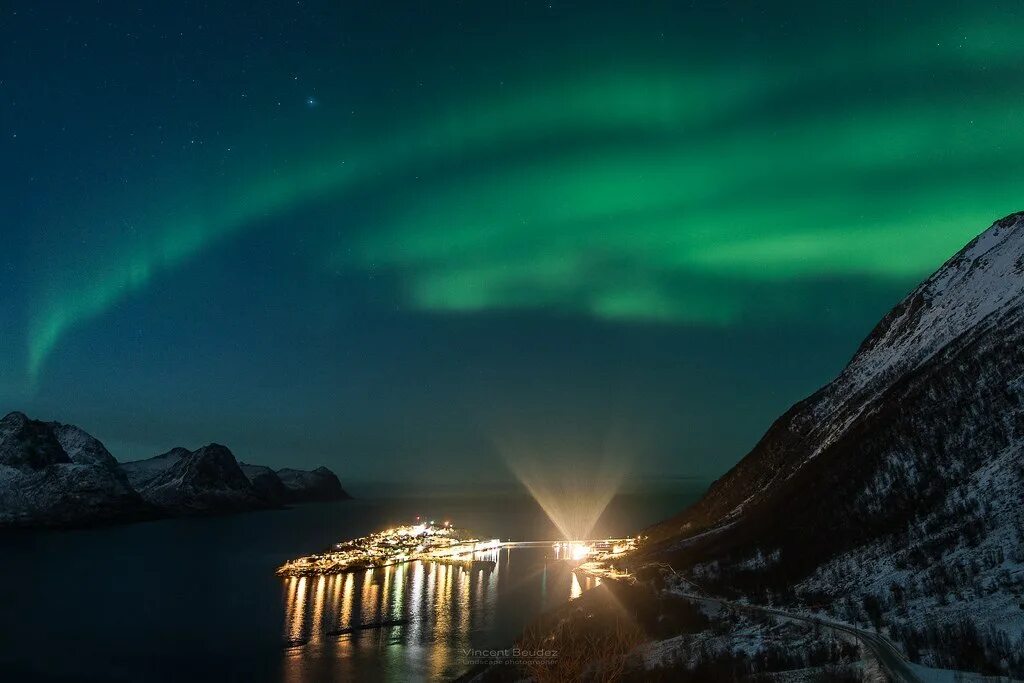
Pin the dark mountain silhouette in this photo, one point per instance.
(54, 474)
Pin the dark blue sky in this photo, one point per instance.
(384, 238)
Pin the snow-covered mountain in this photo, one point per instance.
(312, 485)
(895, 494)
(141, 472)
(265, 481)
(82, 447)
(54, 474)
(210, 478)
(205, 480)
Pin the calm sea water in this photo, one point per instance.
(197, 599)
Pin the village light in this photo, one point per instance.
(579, 551)
(430, 542)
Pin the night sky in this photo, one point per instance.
(388, 237)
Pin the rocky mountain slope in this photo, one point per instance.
(894, 496)
(52, 474)
(295, 486)
(265, 481)
(56, 474)
(208, 479)
(318, 484)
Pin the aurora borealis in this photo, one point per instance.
(423, 213)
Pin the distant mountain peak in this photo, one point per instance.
(58, 474)
(82, 447)
(176, 452)
(212, 465)
(27, 444)
(308, 485)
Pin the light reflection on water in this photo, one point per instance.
(448, 609)
(197, 599)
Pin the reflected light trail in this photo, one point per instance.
(347, 597)
(298, 615)
(319, 597)
(397, 607)
(385, 594)
(369, 606)
(416, 600)
(576, 590)
(331, 622)
(465, 611)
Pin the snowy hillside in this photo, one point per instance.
(81, 447)
(318, 484)
(265, 481)
(894, 495)
(205, 480)
(42, 483)
(141, 472)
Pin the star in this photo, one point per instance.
(312, 102)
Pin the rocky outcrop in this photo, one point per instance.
(56, 475)
(202, 481)
(266, 482)
(320, 484)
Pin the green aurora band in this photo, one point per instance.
(656, 192)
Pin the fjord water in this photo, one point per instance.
(197, 599)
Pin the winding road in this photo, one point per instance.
(892, 660)
(896, 666)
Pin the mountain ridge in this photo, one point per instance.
(54, 474)
(894, 493)
(856, 381)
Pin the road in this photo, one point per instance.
(896, 666)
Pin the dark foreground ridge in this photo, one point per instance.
(891, 498)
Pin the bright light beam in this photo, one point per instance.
(573, 489)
